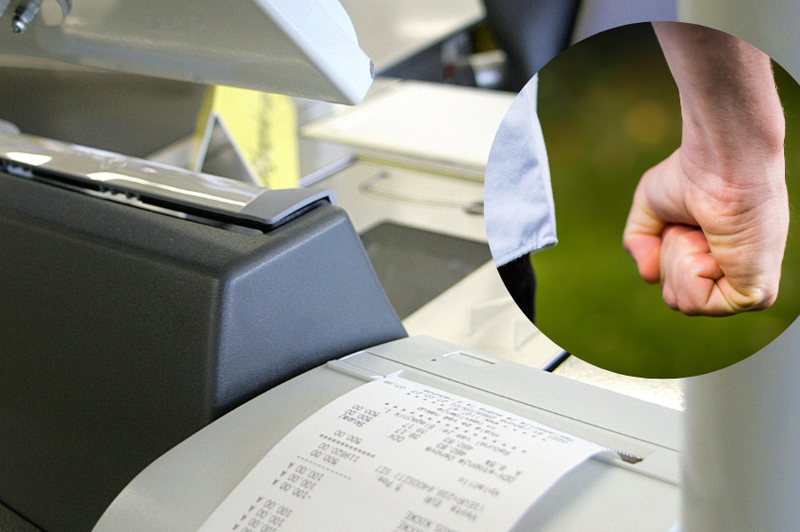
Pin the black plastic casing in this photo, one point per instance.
(123, 331)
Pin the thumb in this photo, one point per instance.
(645, 250)
(642, 235)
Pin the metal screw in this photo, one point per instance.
(25, 13)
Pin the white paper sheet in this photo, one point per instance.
(429, 121)
(397, 456)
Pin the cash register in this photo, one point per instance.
(140, 302)
(182, 352)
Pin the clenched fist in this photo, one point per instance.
(710, 222)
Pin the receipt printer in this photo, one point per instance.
(138, 302)
(375, 463)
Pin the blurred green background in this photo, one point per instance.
(609, 111)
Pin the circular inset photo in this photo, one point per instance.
(636, 200)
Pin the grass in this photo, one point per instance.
(609, 110)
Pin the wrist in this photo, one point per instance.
(737, 151)
(729, 104)
(727, 132)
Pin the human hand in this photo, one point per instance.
(710, 222)
(715, 248)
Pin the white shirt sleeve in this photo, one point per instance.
(518, 198)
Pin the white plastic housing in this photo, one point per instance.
(302, 48)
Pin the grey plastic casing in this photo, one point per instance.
(181, 489)
(141, 302)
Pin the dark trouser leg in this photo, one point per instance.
(520, 281)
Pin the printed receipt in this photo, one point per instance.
(396, 456)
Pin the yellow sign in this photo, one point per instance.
(251, 135)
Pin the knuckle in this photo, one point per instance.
(669, 298)
(688, 239)
(763, 298)
(670, 235)
(686, 301)
(769, 300)
(627, 241)
(688, 307)
(687, 263)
